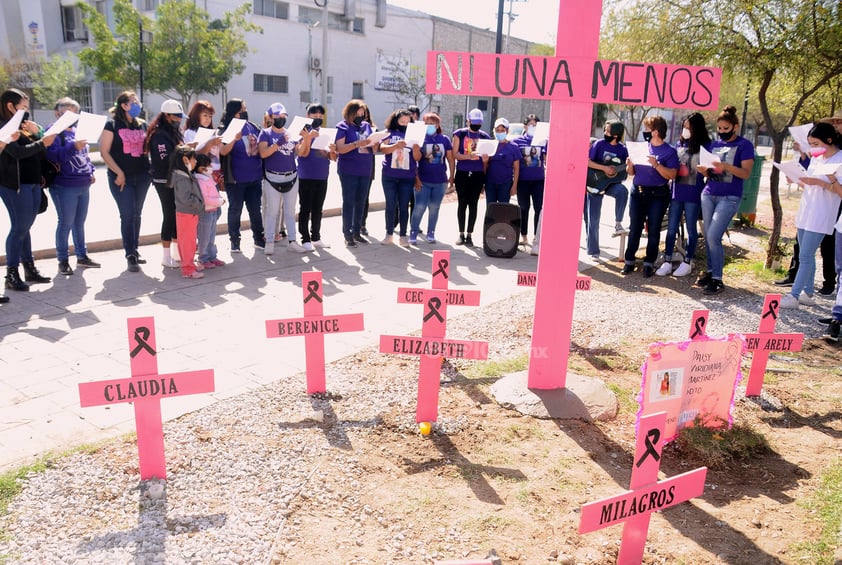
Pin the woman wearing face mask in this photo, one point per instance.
(816, 213)
(470, 174)
(398, 174)
(435, 158)
(242, 169)
(530, 182)
(20, 188)
(354, 162)
(722, 193)
(501, 174)
(313, 171)
(162, 137)
(607, 155)
(686, 194)
(650, 194)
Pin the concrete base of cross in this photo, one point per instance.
(584, 398)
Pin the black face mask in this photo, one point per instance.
(244, 115)
(358, 121)
(647, 136)
(725, 135)
(475, 127)
(401, 128)
(25, 117)
(608, 138)
(279, 122)
(317, 122)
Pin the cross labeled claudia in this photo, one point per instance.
(573, 80)
(144, 390)
(313, 326)
(766, 341)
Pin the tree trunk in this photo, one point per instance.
(772, 251)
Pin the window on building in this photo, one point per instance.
(71, 24)
(271, 83)
(336, 21)
(458, 121)
(330, 85)
(83, 95)
(358, 25)
(271, 9)
(308, 15)
(150, 5)
(357, 91)
(110, 91)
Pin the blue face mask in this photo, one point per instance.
(134, 110)
(500, 135)
(431, 129)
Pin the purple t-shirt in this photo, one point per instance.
(432, 168)
(467, 144)
(398, 164)
(603, 152)
(501, 164)
(76, 168)
(644, 175)
(531, 158)
(315, 166)
(688, 188)
(283, 160)
(734, 153)
(358, 162)
(246, 164)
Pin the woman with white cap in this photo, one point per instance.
(470, 174)
(503, 169)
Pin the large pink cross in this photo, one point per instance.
(145, 389)
(573, 80)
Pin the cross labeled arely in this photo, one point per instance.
(145, 389)
(645, 495)
(767, 341)
(432, 346)
(573, 80)
(313, 326)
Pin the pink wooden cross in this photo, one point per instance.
(573, 80)
(145, 389)
(698, 325)
(646, 493)
(313, 326)
(525, 278)
(766, 341)
(432, 345)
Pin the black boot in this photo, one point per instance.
(13, 280)
(31, 274)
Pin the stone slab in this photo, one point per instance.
(584, 398)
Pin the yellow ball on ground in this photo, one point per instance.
(425, 428)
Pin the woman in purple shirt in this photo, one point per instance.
(434, 160)
(470, 174)
(530, 182)
(501, 173)
(355, 158)
(313, 171)
(398, 175)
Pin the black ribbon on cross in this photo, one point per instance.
(313, 290)
(141, 334)
(652, 437)
(442, 268)
(699, 327)
(434, 304)
(772, 311)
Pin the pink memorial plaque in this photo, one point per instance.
(573, 80)
(766, 341)
(145, 389)
(525, 278)
(313, 326)
(645, 495)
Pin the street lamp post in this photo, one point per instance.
(310, 58)
(323, 68)
(143, 37)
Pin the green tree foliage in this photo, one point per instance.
(55, 79)
(188, 53)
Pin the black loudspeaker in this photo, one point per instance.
(502, 230)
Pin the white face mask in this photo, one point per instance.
(685, 133)
(530, 131)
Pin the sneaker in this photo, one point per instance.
(534, 251)
(279, 237)
(832, 333)
(524, 240)
(461, 240)
(133, 266)
(350, 243)
(648, 271)
(665, 269)
(789, 301)
(628, 269)
(824, 321)
(308, 246)
(363, 230)
(431, 237)
(413, 237)
(683, 270)
(64, 268)
(208, 265)
(468, 241)
(260, 244)
(200, 267)
(704, 279)
(388, 240)
(269, 249)
(619, 230)
(140, 260)
(235, 247)
(715, 286)
(360, 239)
(218, 262)
(194, 275)
(320, 244)
(295, 246)
(595, 257)
(805, 298)
(171, 263)
(827, 290)
(85, 261)
(404, 241)
(785, 282)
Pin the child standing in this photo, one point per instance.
(208, 219)
(189, 205)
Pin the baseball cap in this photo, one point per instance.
(475, 116)
(276, 109)
(834, 118)
(172, 107)
(502, 122)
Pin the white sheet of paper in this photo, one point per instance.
(542, 134)
(65, 121)
(486, 147)
(298, 123)
(326, 137)
(203, 135)
(415, 134)
(638, 152)
(707, 159)
(825, 169)
(90, 127)
(378, 136)
(235, 127)
(11, 126)
(791, 169)
(799, 134)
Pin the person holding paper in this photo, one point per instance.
(722, 194)
(435, 158)
(530, 181)
(686, 194)
(355, 158)
(242, 169)
(201, 116)
(313, 172)
(503, 168)
(20, 188)
(607, 155)
(817, 212)
(398, 175)
(70, 191)
(470, 174)
(650, 195)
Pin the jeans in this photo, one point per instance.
(247, 193)
(130, 201)
(428, 198)
(22, 206)
(207, 235)
(276, 202)
(167, 197)
(354, 195)
(717, 213)
(527, 189)
(805, 278)
(498, 192)
(71, 204)
(691, 220)
(311, 195)
(398, 191)
(468, 188)
(646, 207)
(593, 212)
(831, 261)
